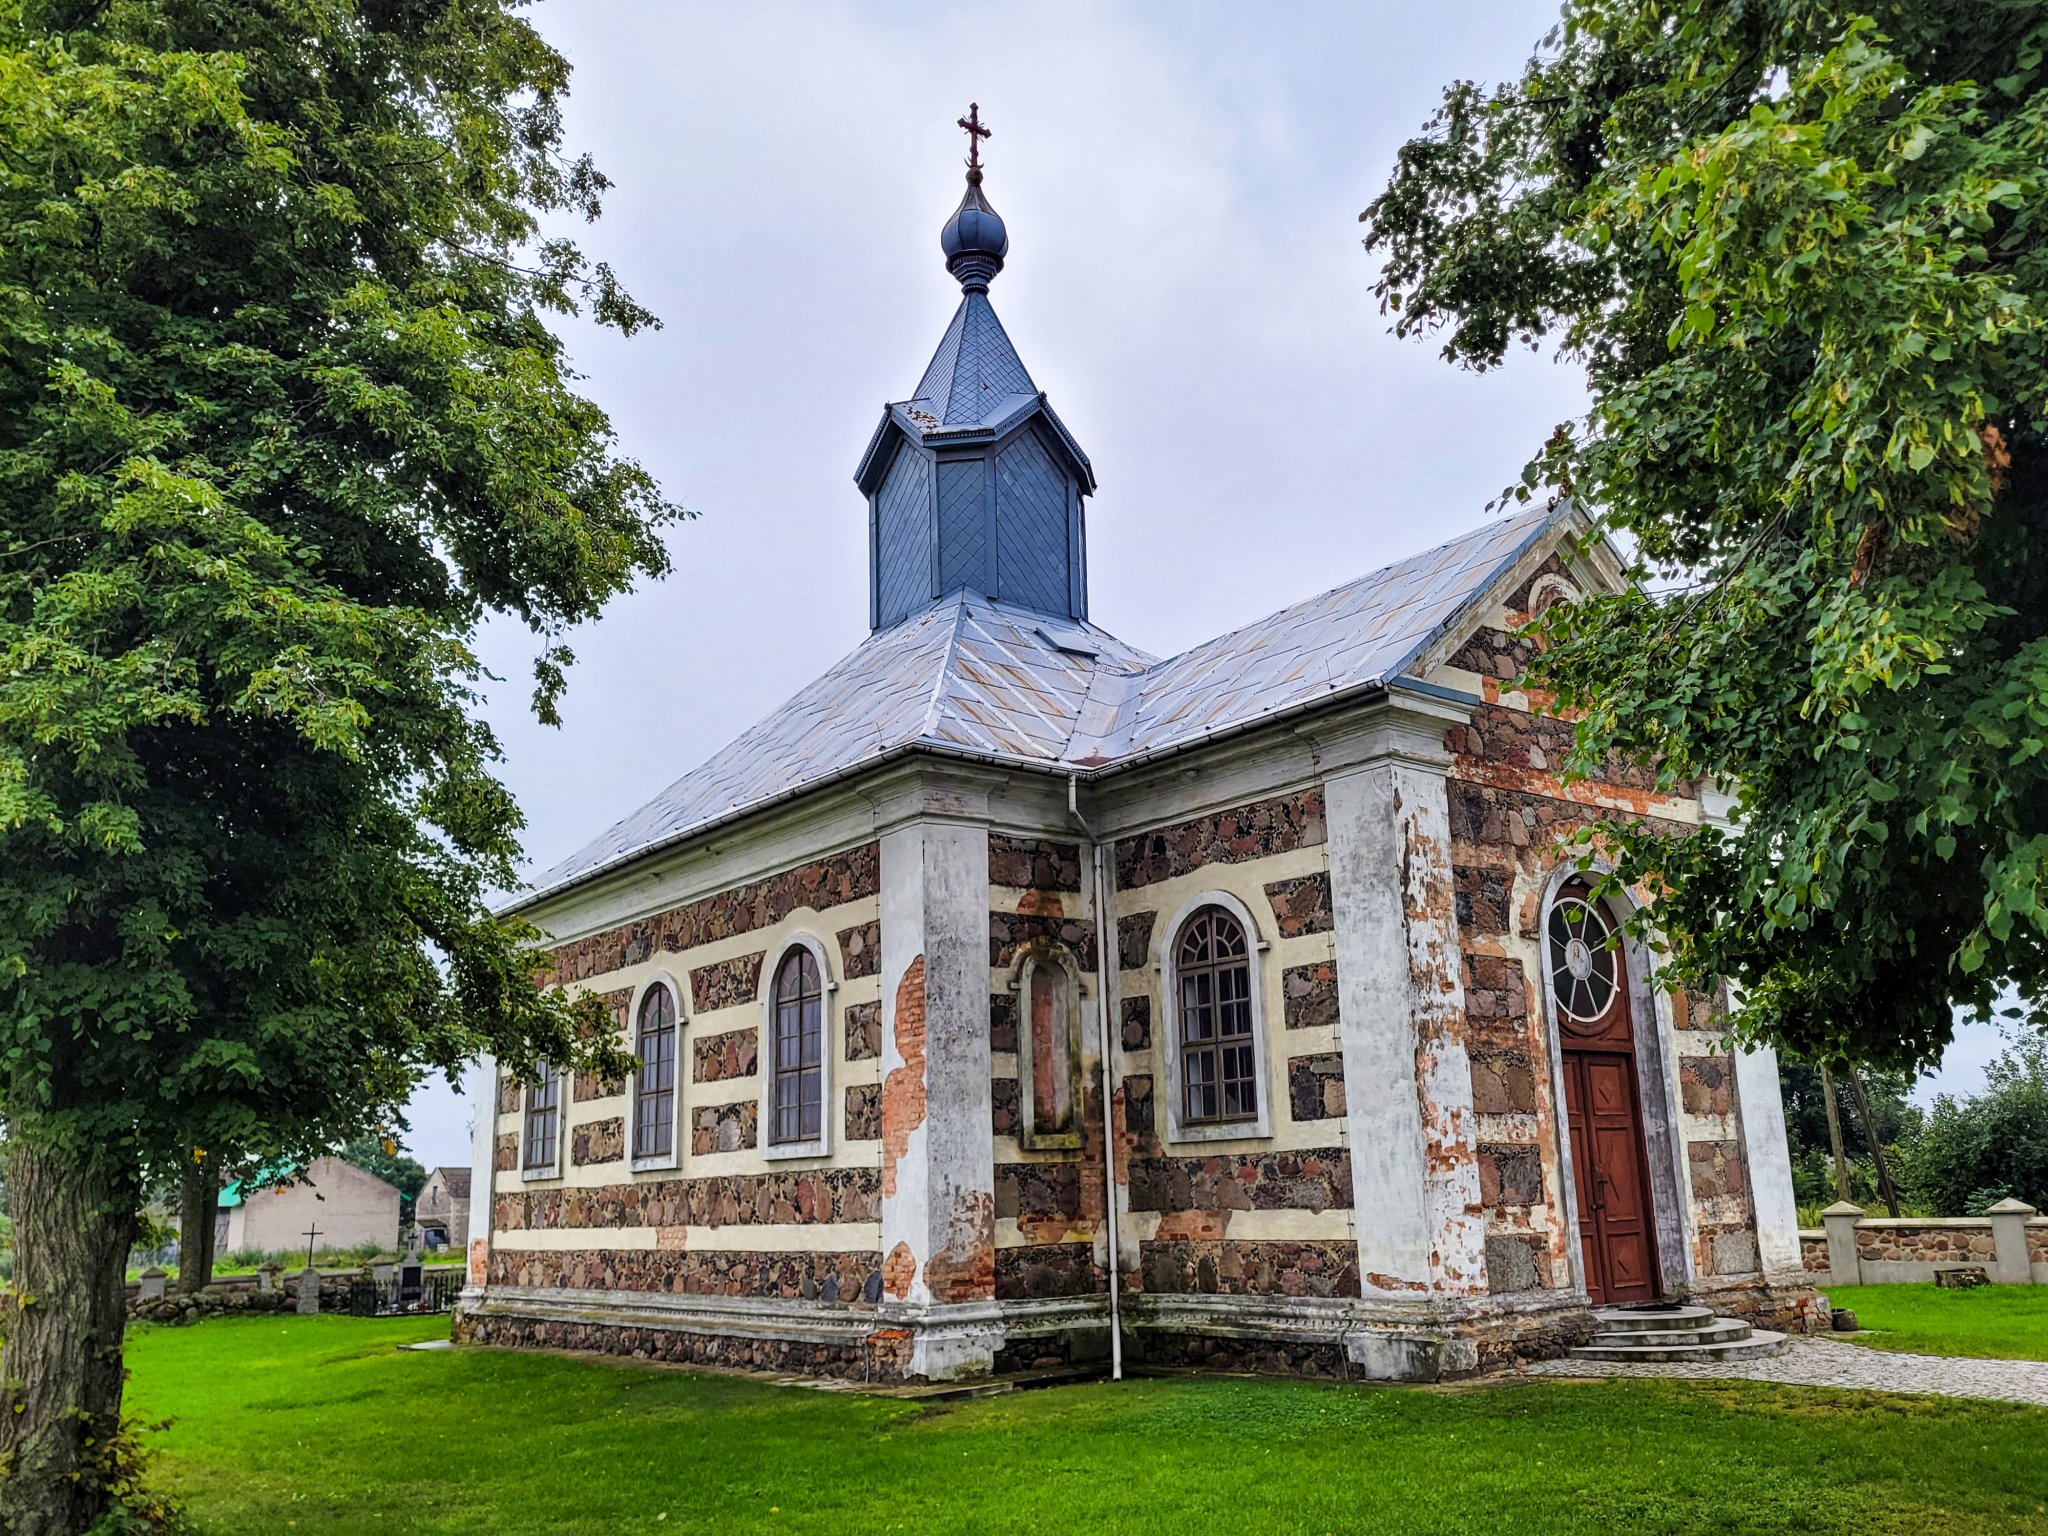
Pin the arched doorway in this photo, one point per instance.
(1589, 985)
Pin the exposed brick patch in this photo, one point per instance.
(724, 1127)
(1716, 1169)
(826, 1277)
(1482, 896)
(1315, 1086)
(1134, 939)
(1002, 1021)
(1038, 1190)
(863, 1025)
(1006, 1115)
(1301, 905)
(1509, 1174)
(864, 1112)
(782, 1198)
(1045, 1270)
(904, 1089)
(715, 1058)
(1228, 1266)
(1034, 863)
(1308, 994)
(821, 885)
(1255, 831)
(505, 1153)
(728, 983)
(964, 1268)
(585, 1089)
(1503, 1083)
(1314, 1180)
(1009, 932)
(799, 1357)
(899, 1270)
(1137, 1023)
(1704, 1085)
(597, 1141)
(860, 950)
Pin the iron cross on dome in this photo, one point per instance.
(975, 134)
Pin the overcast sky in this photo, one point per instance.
(1182, 186)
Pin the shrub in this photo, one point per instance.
(1977, 1151)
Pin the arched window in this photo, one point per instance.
(543, 1123)
(1582, 960)
(654, 1084)
(797, 1075)
(1218, 1056)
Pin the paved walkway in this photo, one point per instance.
(1831, 1363)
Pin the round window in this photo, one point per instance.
(1581, 961)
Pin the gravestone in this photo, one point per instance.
(309, 1292)
(153, 1285)
(270, 1277)
(411, 1278)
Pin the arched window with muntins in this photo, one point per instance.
(798, 1050)
(1218, 1059)
(654, 1086)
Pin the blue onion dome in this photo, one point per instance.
(974, 239)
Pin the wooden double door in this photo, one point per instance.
(1603, 1103)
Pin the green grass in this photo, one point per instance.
(1986, 1322)
(319, 1426)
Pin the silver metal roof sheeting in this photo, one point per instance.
(984, 679)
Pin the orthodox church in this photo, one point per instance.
(1011, 998)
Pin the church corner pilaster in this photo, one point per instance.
(1415, 1171)
(938, 1168)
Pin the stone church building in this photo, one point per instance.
(1010, 995)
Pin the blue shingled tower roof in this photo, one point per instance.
(973, 483)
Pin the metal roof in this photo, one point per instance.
(983, 679)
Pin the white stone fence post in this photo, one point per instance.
(2009, 1243)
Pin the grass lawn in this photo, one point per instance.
(1987, 1322)
(318, 1426)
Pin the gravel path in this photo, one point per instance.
(1830, 1363)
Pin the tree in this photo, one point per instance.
(1977, 1151)
(281, 419)
(1895, 1119)
(1801, 252)
(395, 1166)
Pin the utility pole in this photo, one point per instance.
(1885, 1186)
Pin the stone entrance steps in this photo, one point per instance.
(1675, 1333)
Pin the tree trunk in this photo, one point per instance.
(1827, 1094)
(198, 1207)
(60, 1368)
(1885, 1187)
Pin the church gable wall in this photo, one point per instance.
(725, 1220)
(1259, 1214)
(1509, 814)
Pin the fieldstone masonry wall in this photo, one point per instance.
(2009, 1244)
